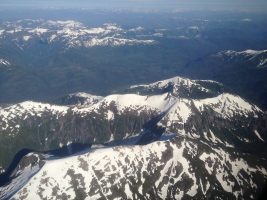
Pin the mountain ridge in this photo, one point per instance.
(162, 111)
(104, 166)
(190, 137)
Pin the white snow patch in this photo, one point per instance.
(193, 27)
(228, 145)
(247, 54)
(94, 30)
(213, 138)
(110, 115)
(38, 30)
(257, 133)
(4, 62)
(205, 136)
(262, 170)
(52, 37)
(246, 20)
(263, 63)
(26, 38)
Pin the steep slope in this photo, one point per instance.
(244, 71)
(195, 109)
(177, 168)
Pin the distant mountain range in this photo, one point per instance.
(24, 33)
(175, 138)
(43, 58)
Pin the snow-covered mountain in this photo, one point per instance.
(72, 33)
(256, 57)
(170, 139)
(244, 71)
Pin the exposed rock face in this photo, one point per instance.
(32, 160)
(28, 165)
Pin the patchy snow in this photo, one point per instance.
(248, 54)
(38, 30)
(4, 62)
(64, 24)
(211, 81)
(217, 162)
(213, 138)
(87, 98)
(113, 27)
(10, 32)
(75, 34)
(100, 168)
(246, 20)
(263, 63)
(94, 30)
(176, 82)
(228, 145)
(114, 41)
(52, 37)
(104, 165)
(139, 28)
(29, 108)
(228, 105)
(110, 115)
(193, 27)
(167, 135)
(183, 37)
(158, 34)
(26, 38)
(205, 136)
(252, 52)
(262, 170)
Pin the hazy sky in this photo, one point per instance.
(170, 4)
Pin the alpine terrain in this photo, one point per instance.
(44, 54)
(173, 139)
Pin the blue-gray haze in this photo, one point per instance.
(255, 5)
